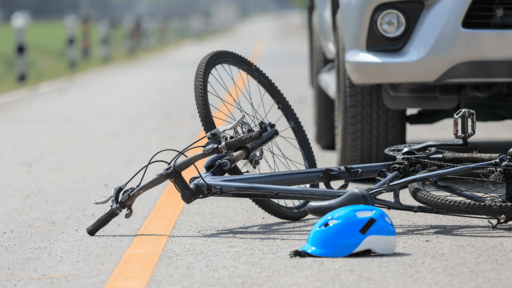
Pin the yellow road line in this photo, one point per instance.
(139, 261)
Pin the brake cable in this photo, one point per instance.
(145, 166)
(173, 150)
(177, 157)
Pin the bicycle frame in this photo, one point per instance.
(276, 185)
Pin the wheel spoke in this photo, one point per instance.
(243, 95)
(471, 188)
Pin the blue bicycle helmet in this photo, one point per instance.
(350, 230)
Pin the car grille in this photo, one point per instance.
(489, 14)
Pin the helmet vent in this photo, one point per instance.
(362, 214)
(330, 223)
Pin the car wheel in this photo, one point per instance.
(324, 105)
(364, 125)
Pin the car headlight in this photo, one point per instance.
(391, 23)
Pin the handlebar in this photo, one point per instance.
(102, 221)
(173, 173)
(241, 141)
(230, 145)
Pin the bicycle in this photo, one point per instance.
(270, 160)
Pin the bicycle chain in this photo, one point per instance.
(431, 163)
(499, 175)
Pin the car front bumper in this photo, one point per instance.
(438, 51)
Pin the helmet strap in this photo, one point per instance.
(300, 254)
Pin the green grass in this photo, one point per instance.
(46, 52)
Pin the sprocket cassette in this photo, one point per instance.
(502, 175)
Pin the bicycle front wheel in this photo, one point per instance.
(228, 86)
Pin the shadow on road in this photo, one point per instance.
(269, 231)
(272, 231)
(362, 255)
(483, 230)
(366, 254)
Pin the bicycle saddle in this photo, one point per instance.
(357, 196)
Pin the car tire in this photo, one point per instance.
(324, 105)
(364, 125)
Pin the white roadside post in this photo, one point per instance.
(71, 21)
(19, 21)
(104, 29)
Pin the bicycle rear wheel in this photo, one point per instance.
(477, 193)
(226, 86)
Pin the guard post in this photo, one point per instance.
(19, 21)
(86, 44)
(70, 21)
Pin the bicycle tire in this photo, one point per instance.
(472, 184)
(206, 94)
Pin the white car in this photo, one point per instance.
(373, 59)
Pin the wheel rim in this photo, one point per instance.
(233, 92)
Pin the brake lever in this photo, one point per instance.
(129, 209)
(219, 131)
(112, 195)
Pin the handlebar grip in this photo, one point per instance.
(102, 222)
(241, 141)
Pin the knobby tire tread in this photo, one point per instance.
(370, 126)
(459, 207)
(206, 118)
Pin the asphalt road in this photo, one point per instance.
(69, 141)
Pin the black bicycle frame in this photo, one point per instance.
(276, 185)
